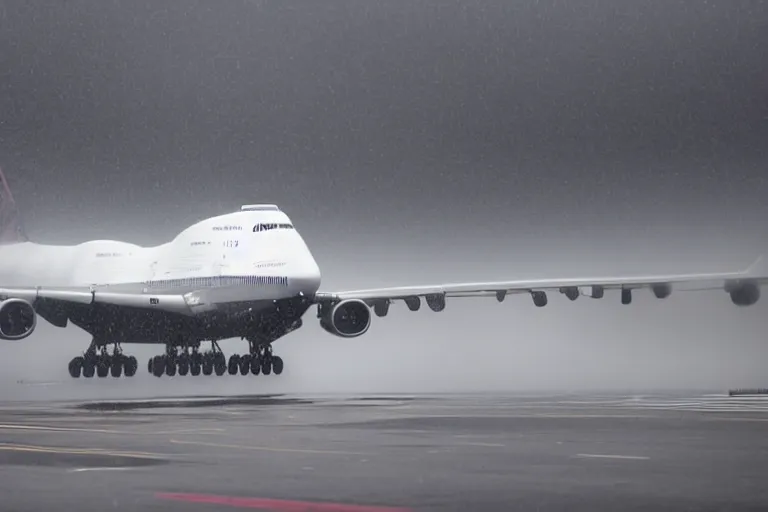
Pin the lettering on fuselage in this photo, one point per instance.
(270, 226)
(218, 282)
(227, 228)
(108, 254)
(195, 244)
(231, 243)
(270, 264)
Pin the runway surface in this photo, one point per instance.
(387, 453)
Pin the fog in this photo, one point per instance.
(411, 143)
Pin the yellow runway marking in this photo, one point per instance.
(266, 448)
(75, 451)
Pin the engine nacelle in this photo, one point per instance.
(745, 294)
(17, 319)
(346, 319)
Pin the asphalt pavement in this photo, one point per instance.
(386, 453)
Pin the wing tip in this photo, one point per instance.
(757, 268)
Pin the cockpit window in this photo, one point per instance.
(272, 225)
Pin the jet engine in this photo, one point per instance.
(17, 319)
(744, 294)
(347, 319)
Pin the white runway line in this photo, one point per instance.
(623, 457)
(81, 470)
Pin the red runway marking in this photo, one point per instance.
(275, 505)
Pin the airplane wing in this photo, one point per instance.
(24, 304)
(743, 287)
(87, 295)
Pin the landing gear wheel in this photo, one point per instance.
(183, 365)
(266, 365)
(170, 366)
(102, 368)
(277, 365)
(131, 365)
(158, 366)
(75, 366)
(245, 364)
(194, 367)
(255, 365)
(116, 368)
(234, 364)
(220, 367)
(89, 369)
(207, 366)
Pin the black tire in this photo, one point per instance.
(102, 368)
(89, 369)
(207, 366)
(75, 367)
(158, 366)
(116, 368)
(245, 364)
(277, 365)
(234, 364)
(170, 367)
(255, 365)
(266, 365)
(131, 365)
(183, 366)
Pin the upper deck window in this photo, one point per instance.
(267, 226)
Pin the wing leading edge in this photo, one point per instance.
(743, 287)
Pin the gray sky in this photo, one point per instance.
(415, 141)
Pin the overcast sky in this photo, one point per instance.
(415, 140)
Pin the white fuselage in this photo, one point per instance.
(244, 256)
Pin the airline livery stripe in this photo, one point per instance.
(218, 281)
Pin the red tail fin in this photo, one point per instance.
(11, 230)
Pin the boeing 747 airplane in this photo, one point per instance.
(246, 274)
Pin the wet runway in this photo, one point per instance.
(386, 453)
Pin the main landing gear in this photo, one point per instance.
(190, 361)
(260, 360)
(97, 360)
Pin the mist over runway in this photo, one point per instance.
(433, 142)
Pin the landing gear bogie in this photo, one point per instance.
(98, 362)
(259, 361)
